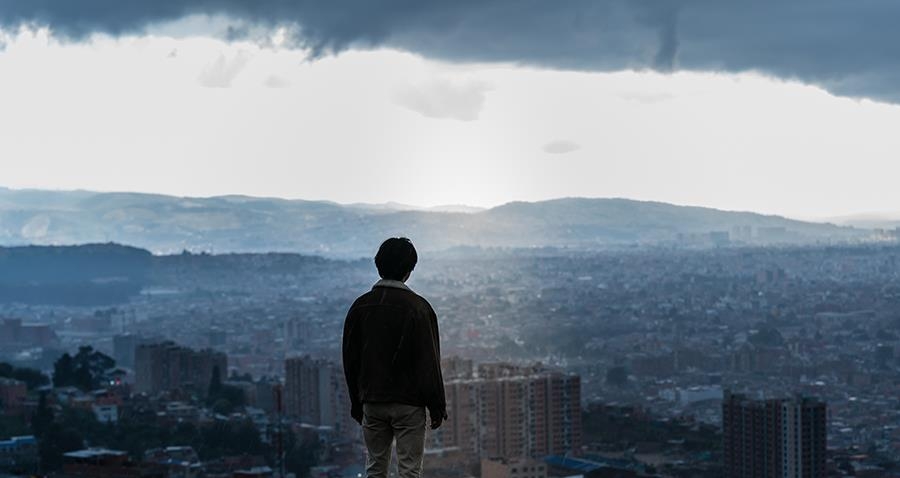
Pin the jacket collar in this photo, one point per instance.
(391, 283)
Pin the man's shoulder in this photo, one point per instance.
(425, 304)
(419, 301)
(362, 299)
(405, 296)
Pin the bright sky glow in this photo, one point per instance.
(197, 116)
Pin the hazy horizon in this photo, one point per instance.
(873, 215)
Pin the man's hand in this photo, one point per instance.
(437, 419)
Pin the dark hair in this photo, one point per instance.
(396, 257)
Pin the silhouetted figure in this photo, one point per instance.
(392, 362)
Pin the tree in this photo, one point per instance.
(54, 438)
(222, 407)
(185, 434)
(229, 438)
(33, 378)
(63, 371)
(55, 442)
(43, 416)
(215, 383)
(223, 398)
(246, 438)
(14, 426)
(87, 370)
(301, 455)
(137, 432)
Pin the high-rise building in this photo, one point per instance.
(774, 438)
(15, 335)
(168, 366)
(804, 438)
(265, 393)
(297, 332)
(315, 392)
(511, 412)
(457, 367)
(125, 345)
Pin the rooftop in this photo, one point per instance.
(94, 453)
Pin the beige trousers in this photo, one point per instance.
(384, 422)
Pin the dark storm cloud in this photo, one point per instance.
(849, 47)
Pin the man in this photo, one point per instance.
(392, 363)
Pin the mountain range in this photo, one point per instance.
(879, 220)
(167, 224)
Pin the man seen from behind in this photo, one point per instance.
(392, 363)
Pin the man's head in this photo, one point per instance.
(396, 258)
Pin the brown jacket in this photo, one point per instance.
(392, 350)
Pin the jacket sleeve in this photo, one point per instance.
(350, 354)
(429, 361)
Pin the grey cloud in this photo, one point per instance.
(848, 47)
(222, 71)
(237, 32)
(277, 82)
(444, 99)
(561, 146)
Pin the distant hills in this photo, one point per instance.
(167, 224)
(107, 274)
(92, 274)
(885, 220)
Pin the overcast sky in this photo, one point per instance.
(475, 113)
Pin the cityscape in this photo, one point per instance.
(649, 361)
(449, 239)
